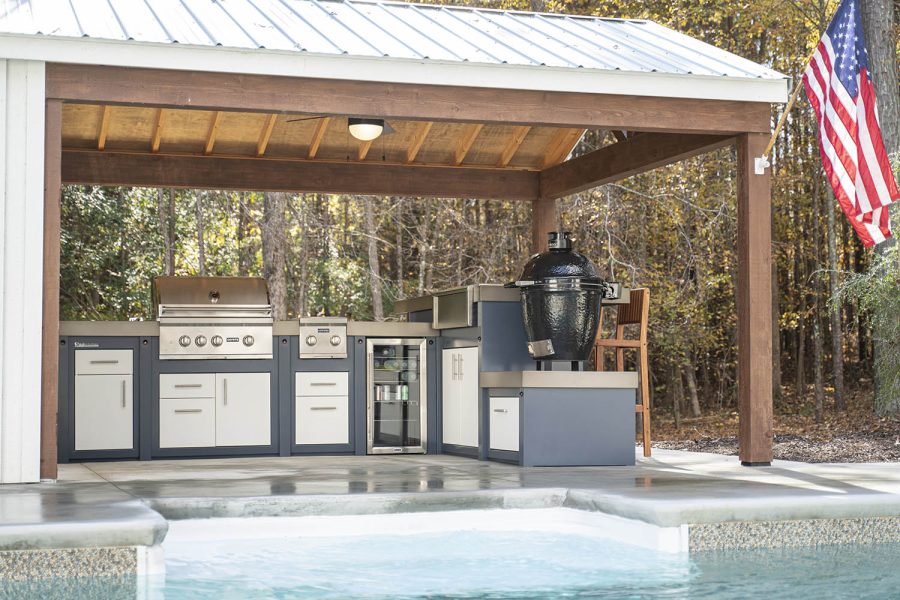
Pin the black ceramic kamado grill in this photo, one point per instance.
(561, 292)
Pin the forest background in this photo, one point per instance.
(672, 230)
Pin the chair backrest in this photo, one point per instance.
(633, 312)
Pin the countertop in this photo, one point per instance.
(559, 379)
(151, 328)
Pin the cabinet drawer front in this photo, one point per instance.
(187, 422)
(187, 385)
(504, 421)
(104, 362)
(323, 384)
(323, 420)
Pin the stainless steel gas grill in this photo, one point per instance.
(213, 317)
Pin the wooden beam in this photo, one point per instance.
(754, 303)
(470, 134)
(318, 136)
(624, 159)
(104, 128)
(50, 294)
(364, 150)
(418, 140)
(90, 167)
(512, 146)
(99, 84)
(157, 129)
(561, 146)
(543, 220)
(213, 132)
(265, 135)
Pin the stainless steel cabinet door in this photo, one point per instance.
(104, 412)
(243, 409)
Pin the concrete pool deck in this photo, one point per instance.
(722, 504)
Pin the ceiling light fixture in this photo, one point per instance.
(365, 130)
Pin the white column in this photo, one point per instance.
(21, 264)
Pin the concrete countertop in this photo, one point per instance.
(151, 328)
(559, 379)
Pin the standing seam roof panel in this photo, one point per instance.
(379, 28)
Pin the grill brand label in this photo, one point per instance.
(86, 345)
(232, 339)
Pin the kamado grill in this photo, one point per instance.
(213, 317)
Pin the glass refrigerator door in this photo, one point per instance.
(396, 396)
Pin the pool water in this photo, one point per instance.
(243, 559)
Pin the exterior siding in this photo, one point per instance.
(21, 264)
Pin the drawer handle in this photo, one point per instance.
(104, 362)
(188, 410)
(323, 408)
(188, 385)
(323, 383)
(501, 410)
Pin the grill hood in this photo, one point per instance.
(213, 292)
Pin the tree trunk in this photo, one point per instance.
(424, 253)
(374, 267)
(201, 234)
(837, 335)
(303, 284)
(166, 208)
(401, 271)
(691, 379)
(243, 250)
(273, 244)
(878, 24)
(801, 350)
(818, 342)
(677, 394)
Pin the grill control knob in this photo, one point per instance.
(335, 340)
(311, 340)
(217, 340)
(248, 340)
(185, 341)
(200, 340)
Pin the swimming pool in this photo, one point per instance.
(472, 555)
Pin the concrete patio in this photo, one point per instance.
(118, 504)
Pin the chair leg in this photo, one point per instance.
(645, 397)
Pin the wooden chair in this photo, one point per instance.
(636, 312)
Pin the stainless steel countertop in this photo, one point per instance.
(559, 379)
(151, 328)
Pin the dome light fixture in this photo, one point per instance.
(365, 130)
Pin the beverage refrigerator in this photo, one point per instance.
(397, 396)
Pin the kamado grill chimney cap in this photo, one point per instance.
(559, 240)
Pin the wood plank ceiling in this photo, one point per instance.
(304, 137)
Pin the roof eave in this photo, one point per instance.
(388, 69)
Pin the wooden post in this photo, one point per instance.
(50, 336)
(754, 303)
(543, 220)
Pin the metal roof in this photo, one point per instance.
(392, 30)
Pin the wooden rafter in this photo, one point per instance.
(318, 136)
(418, 140)
(564, 140)
(470, 134)
(364, 150)
(104, 128)
(512, 146)
(265, 135)
(213, 132)
(91, 167)
(624, 159)
(157, 129)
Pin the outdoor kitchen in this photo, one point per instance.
(487, 371)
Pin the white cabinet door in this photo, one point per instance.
(323, 383)
(104, 412)
(504, 422)
(187, 385)
(104, 362)
(243, 409)
(467, 378)
(322, 420)
(449, 397)
(187, 422)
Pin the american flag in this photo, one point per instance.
(840, 90)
